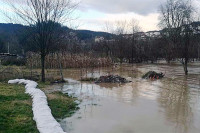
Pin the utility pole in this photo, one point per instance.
(199, 53)
(8, 48)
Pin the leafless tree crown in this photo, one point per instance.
(38, 11)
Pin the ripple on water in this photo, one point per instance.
(168, 105)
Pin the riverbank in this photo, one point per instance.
(16, 108)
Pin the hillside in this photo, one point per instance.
(15, 35)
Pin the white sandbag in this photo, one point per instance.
(45, 121)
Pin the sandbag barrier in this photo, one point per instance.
(42, 115)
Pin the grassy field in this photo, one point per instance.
(16, 110)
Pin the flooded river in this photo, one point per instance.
(170, 105)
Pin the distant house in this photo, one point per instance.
(99, 39)
(140, 36)
(144, 35)
(153, 34)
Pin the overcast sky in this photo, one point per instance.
(92, 14)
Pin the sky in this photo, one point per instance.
(93, 14)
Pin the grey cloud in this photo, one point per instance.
(142, 7)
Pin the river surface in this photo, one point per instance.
(170, 105)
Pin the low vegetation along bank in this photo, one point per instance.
(16, 109)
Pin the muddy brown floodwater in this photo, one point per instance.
(170, 105)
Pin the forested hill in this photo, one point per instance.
(16, 36)
(10, 34)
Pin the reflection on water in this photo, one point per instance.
(170, 105)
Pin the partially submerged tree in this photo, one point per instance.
(175, 18)
(43, 16)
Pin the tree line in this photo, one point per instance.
(125, 42)
(178, 39)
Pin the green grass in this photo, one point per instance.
(43, 85)
(62, 105)
(16, 110)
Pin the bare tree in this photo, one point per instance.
(43, 16)
(134, 29)
(175, 18)
(122, 44)
(120, 29)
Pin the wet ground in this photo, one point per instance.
(170, 105)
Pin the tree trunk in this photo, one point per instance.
(132, 49)
(43, 67)
(185, 68)
(121, 60)
(168, 61)
(186, 52)
(60, 65)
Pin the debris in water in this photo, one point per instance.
(112, 79)
(88, 79)
(153, 75)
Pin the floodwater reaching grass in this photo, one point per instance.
(169, 105)
(62, 105)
